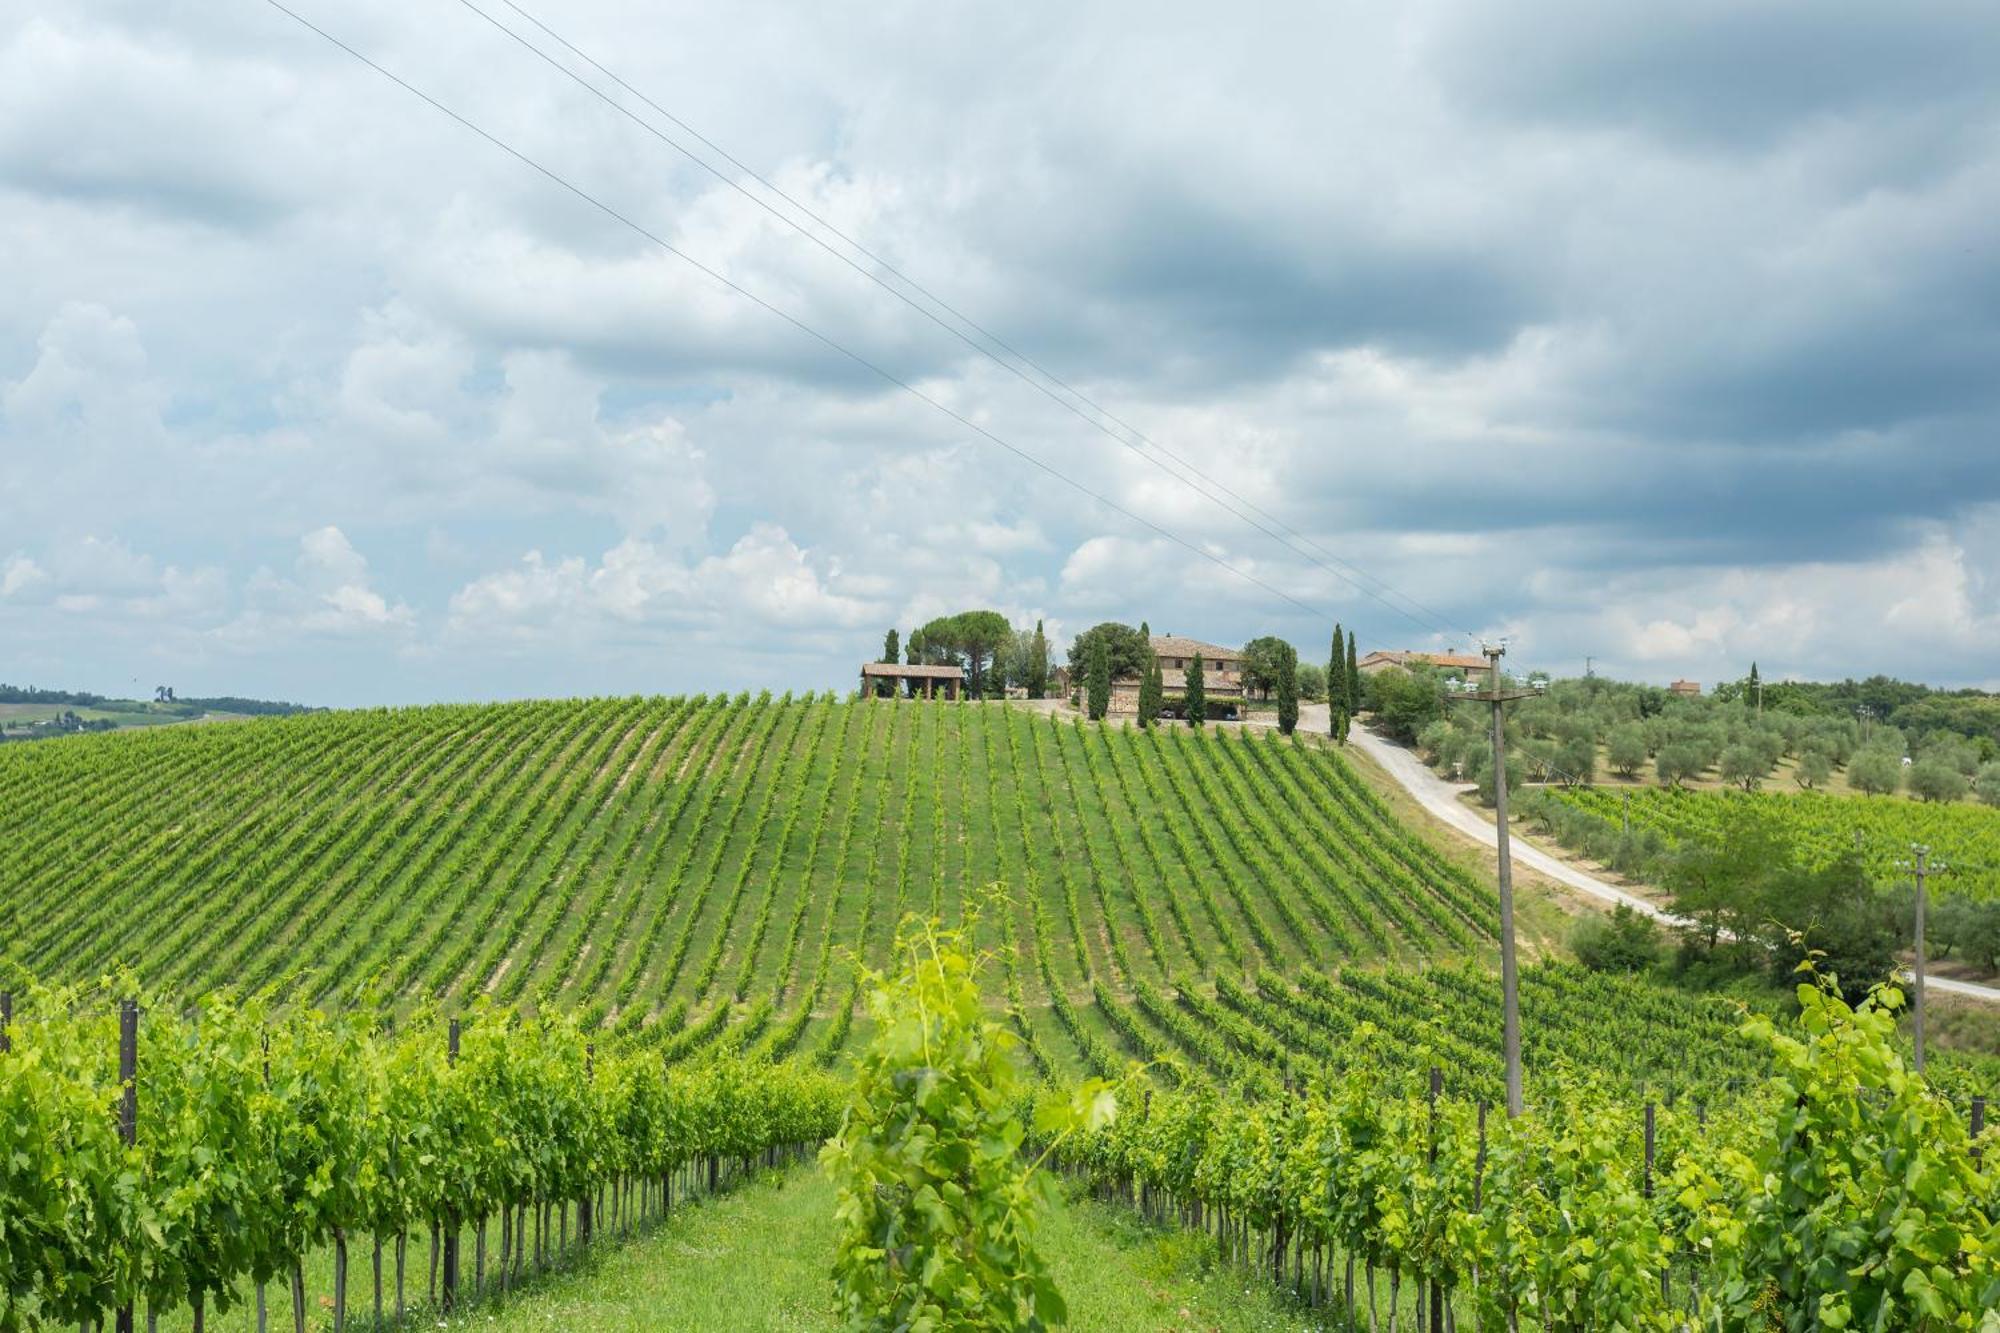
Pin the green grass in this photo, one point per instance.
(758, 1258)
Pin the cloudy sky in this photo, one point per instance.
(1673, 341)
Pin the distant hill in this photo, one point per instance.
(30, 713)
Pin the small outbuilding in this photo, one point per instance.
(924, 681)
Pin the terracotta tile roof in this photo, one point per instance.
(1458, 661)
(1173, 645)
(906, 672)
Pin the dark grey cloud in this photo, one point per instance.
(1717, 75)
(1656, 334)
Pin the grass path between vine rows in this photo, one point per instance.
(757, 1258)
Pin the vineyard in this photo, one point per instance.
(659, 864)
(1881, 828)
(583, 958)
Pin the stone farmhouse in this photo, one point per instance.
(1221, 673)
(1381, 661)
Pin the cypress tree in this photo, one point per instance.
(1336, 688)
(1038, 664)
(1197, 693)
(1150, 690)
(1097, 682)
(1353, 678)
(1288, 690)
(914, 648)
(892, 653)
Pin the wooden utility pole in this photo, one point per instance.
(1921, 864)
(1510, 996)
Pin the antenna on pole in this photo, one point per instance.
(1510, 994)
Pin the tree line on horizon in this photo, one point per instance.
(996, 656)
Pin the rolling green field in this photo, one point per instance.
(1881, 828)
(670, 880)
(707, 870)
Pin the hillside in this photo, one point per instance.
(677, 878)
(648, 854)
(688, 866)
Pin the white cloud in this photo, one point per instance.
(765, 581)
(21, 575)
(330, 595)
(1682, 378)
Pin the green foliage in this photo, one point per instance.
(1876, 772)
(1151, 692)
(1815, 830)
(1263, 659)
(1097, 680)
(1037, 682)
(1337, 691)
(1479, 767)
(972, 639)
(1288, 690)
(1127, 649)
(1937, 779)
(1860, 1203)
(1625, 749)
(892, 653)
(644, 863)
(1194, 699)
(1405, 702)
(1815, 770)
(1676, 764)
(263, 1136)
(1789, 1204)
(1575, 762)
(1625, 941)
(1744, 766)
(1987, 785)
(1354, 683)
(1312, 682)
(938, 1212)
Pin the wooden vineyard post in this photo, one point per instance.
(128, 1102)
(1665, 1273)
(448, 1297)
(585, 1218)
(263, 1300)
(1437, 1287)
(1978, 1126)
(6, 1020)
(1479, 1163)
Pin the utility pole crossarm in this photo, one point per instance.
(1502, 696)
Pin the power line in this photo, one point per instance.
(824, 339)
(1256, 517)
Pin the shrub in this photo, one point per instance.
(1625, 749)
(1625, 941)
(1935, 779)
(1876, 772)
(1987, 785)
(1677, 763)
(1744, 766)
(1814, 770)
(938, 1209)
